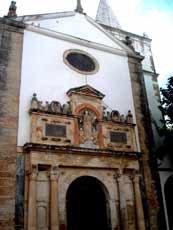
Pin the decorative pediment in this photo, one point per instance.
(86, 90)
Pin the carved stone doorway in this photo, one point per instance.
(87, 205)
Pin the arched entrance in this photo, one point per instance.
(168, 189)
(87, 205)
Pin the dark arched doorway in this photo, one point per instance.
(169, 200)
(87, 205)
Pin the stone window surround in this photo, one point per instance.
(67, 52)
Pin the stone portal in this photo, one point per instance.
(87, 206)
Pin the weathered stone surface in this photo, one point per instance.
(19, 205)
(11, 39)
(145, 139)
(72, 165)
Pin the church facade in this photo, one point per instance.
(76, 131)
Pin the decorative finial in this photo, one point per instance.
(12, 9)
(79, 8)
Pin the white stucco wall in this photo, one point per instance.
(153, 106)
(77, 26)
(44, 73)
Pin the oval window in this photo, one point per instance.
(81, 61)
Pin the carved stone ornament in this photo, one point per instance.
(53, 107)
(88, 127)
(34, 102)
(12, 9)
(129, 117)
(115, 116)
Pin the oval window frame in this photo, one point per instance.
(67, 52)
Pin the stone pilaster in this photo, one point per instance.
(122, 199)
(54, 215)
(138, 202)
(130, 203)
(143, 121)
(11, 42)
(32, 216)
(117, 201)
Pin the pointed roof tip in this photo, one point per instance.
(106, 16)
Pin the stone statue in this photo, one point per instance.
(95, 124)
(55, 107)
(122, 118)
(40, 106)
(129, 117)
(115, 116)
(129, 42)
(88, 127)
(69, 108)
(66, 109)
(12, 9)
(87, 124)
(104, 117)
(46, 107)
(34, 102)
(108, 116)
(13, 6)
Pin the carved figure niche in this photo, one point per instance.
(88, 128)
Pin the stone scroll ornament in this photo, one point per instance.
(88, 127)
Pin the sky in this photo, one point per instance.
(154, 17)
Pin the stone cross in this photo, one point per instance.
(79, 8)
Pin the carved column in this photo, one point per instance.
(138, 201)
(54, 218)
(130, 203)
(32, 219)
(117, 201)
(122, 206)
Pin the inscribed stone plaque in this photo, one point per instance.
(55, 130)
(118, 137)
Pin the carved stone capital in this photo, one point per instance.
(33, 172)
(136, 178)
(54, 173)
(118, 175)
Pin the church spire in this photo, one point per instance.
(106, 16)
(79, 8)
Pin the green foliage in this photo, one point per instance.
(167, 104)
(166, 108)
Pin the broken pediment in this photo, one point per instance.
(86, 90)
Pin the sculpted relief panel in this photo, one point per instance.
(88, 128)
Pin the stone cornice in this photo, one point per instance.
(12, 23)
(29, 147)
(151, 73)
(114, 30)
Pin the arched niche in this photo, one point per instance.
(87, 205)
